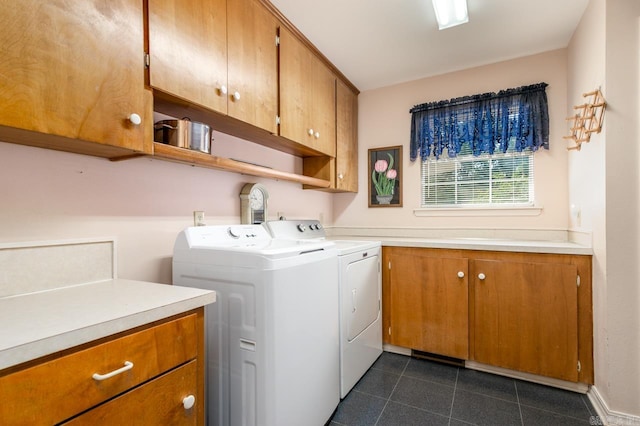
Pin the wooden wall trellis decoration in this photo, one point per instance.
(587, 120)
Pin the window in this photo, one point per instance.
(478, 150)
(486, 180)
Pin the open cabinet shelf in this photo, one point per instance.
(181, 155)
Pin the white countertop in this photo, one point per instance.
(515, 240)
(533, 246)
(38, 324)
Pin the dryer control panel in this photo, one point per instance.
(295, 229)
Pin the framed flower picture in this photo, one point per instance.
(385, 177)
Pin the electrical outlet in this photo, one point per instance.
(198, 218)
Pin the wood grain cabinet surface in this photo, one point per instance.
(341, 171)
(156, 367)
(72, 75)
(86, 77)
(428, 301)
(188, 50)
(307, 97)
(220, 55)
(528, 312)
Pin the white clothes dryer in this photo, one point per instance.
(360, 283)
(272, 335)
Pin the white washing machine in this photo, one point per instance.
(360, 283)
(272, 336)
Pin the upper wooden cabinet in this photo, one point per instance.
(217, 54)
(307, 96)
(74, 73)
(346, 178)
(188, 50)
(253, 64)
(341, 171)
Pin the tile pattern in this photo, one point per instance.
(402, 391)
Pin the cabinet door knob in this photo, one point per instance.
(310, 132)
(317, 135)
(236, 96)
(340, 176)
(481, 276)
(135, 119)
(223, 90)
(460, 274)
(188, 402)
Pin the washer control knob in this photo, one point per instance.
(302, 228)
(234, 233)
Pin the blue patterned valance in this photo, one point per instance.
(513, 118)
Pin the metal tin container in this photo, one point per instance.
(184, 134)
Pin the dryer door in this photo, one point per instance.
(360, 295)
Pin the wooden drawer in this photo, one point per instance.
(60, 388)
(158, 402)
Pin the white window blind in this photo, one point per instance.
(499, 179)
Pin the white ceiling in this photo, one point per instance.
(376, 43)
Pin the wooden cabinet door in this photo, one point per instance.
(74, 70)
(446, 325)
(525, 317)
(253, 64)
(406, 310)
(158, 402)
(188, 50)
(429, 302)
(341, 170)
(323, 109)
(295, 68)
(346, 138)
(307, 97)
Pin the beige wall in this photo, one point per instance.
(144, 203)
(604, 183)
(384, 120)
(586, 65)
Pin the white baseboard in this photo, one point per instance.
(548, 381)
(396, 349)
(606, 416)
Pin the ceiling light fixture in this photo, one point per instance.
(450, 13)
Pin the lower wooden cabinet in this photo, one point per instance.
(527, 312)
(162, 401)
(428, 301)
(525, 317)
(143, 376)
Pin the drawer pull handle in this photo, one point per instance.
(481, 276)
(188, 402)
(128, 365)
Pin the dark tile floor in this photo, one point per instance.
(403, 391)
